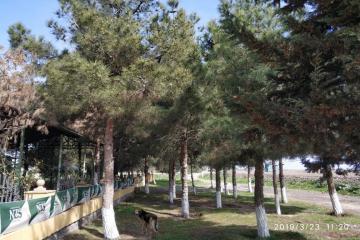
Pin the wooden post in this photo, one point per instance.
(59, 163)
(21, 155)
(79, 158)
(84, 163)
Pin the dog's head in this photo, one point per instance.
(139, 212)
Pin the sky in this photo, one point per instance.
(34, 14)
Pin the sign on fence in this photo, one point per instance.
(14, 215)
(39, 209)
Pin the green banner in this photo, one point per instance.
(39, 209)
(56, 205)
(83, 194)
(14, 215)
(73, 196)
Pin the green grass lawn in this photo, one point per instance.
(235, 221)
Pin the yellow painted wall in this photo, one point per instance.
(46, 228)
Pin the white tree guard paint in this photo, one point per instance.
(147, 190)
(277, 204)
(235, 192)
(174, 189)
(185, 212)
(261, 219)
(284, 198)
(110, 229)
(194, 190)
(249, 185)
(227, 190)
(171, 194)
(218, 200)
(336, 204)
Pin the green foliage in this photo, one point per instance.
(310, 88)
(39, 48)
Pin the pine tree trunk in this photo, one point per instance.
(174, 180)
(108, 215)
(234, 181)
(171, 181)
(261, 219)
(185, 208)
(218, 188)
(225, 182)
(147, 176)
(192, 179)
(153, 177)
(211, 178)
(282, 182)
(276, 193)
(96, 179)
(249, 180)
(337, 208)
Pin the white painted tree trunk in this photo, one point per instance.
(147, 189)
(334, 198)
(261, 219)
(277, 204)
(110, 228)
(337, 208)
(108, 216)
(234, 181)
(276, 192)
(194, 190)
(185, 208)
(154, 180)
(249, 180)
(250, 189)
(211, 177)
(218, 200)
(192, 179)
(171, 194)
(218, 188)
(174, 190)
(284, 198)
(147, 176)
(226, 190)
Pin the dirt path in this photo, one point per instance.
(350, 204)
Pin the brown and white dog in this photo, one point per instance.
(149, 222)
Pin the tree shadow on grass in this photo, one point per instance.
(158, 200)
(242, 205)
(206, 230)
(93, 232)
(76, 236)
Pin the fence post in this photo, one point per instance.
(59, 163)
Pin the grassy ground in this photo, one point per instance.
(235, 221)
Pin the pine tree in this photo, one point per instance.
(108, 41)
(314, 80)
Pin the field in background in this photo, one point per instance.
(295, 179)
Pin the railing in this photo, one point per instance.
(19, 214)
(9, 191)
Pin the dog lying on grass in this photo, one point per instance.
(149, 222)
